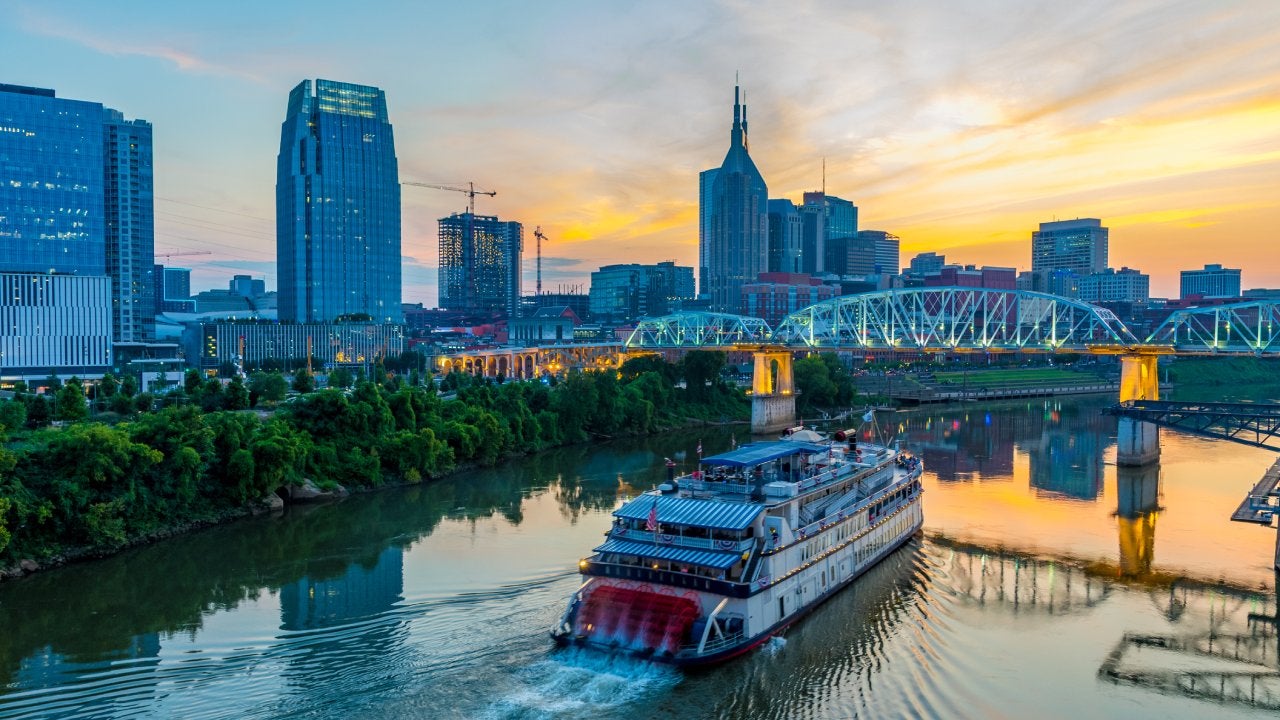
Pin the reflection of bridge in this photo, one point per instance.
(1021, 583)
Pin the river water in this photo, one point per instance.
(1047, 583)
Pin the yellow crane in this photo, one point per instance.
(470, 191)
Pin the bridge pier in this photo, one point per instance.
(1137, 442)
(773, 398)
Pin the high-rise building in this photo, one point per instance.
(1076, 245)
(129, 202)
(623, 293)
(173, 289)
(337, 206)
(51, 197)
(872, 252)
(736, 248)
(1214, 281)
(75, 207)
(813, 238)
(784, 237)
(480, 264)
(839, 224)
(706, 203)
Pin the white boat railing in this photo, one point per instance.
(673, 540)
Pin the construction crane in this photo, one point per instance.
(181, 253)
(537, 233)
(470, 191)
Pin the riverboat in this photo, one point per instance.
(713, 563)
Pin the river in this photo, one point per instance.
(1047, 583)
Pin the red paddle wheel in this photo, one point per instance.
(637, 618)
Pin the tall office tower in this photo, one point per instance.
(54, 185)
(480, 264)
(1214, 281)
(1077, 245)
(337, 206)
(839, 224)
(881, 248)
(129, 202)
(784, 237)
(706, 182)
(51, 197)
(737, 246)
(173, 289)
(813, 237)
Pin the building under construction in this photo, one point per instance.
(480, 264)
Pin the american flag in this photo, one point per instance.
(652, 524)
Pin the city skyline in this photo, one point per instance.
(959, 130)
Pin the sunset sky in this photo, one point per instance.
(957, 126)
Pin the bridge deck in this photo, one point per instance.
(1257, 506)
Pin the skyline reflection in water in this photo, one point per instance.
(1048, 583)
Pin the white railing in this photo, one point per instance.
(673, 540)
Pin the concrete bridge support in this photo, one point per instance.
(1138, 443)
(773, 399)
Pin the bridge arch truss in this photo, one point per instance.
(1237, 328)
(955, 319)
(697, 329)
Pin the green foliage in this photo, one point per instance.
(701, 371)
(236, 396)
(70, 404)
(823, 382)
(269, 386)
(144, 402)
(13, 415)
(108, 386)
(303, 381)
(96, 486)
(191, 382)
(341, 378)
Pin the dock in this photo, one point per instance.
(1263, 501)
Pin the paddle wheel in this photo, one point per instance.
(636, 618)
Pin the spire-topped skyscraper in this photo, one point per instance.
(735, 245)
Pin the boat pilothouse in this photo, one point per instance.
(714, 562)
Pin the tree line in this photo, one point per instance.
(97, 468)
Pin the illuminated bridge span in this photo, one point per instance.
(698, 329)
(1251, 328)
(955, 319)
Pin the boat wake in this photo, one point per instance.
(582, 683)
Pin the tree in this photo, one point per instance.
(236, 396)
(303, 381)
(129, 386)
(341, 378)
(108, 386)
(813, 381)
(191, 382)
(144, 402)
(13, 415)
(701, 368)
(269, 386)
(69, 403)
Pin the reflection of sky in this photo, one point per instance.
(958, 126)
(359, 592)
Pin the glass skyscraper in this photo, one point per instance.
(130, 226)
(736, 248)
(337, 206)
(51, 183)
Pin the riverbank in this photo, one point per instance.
(89, 490)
